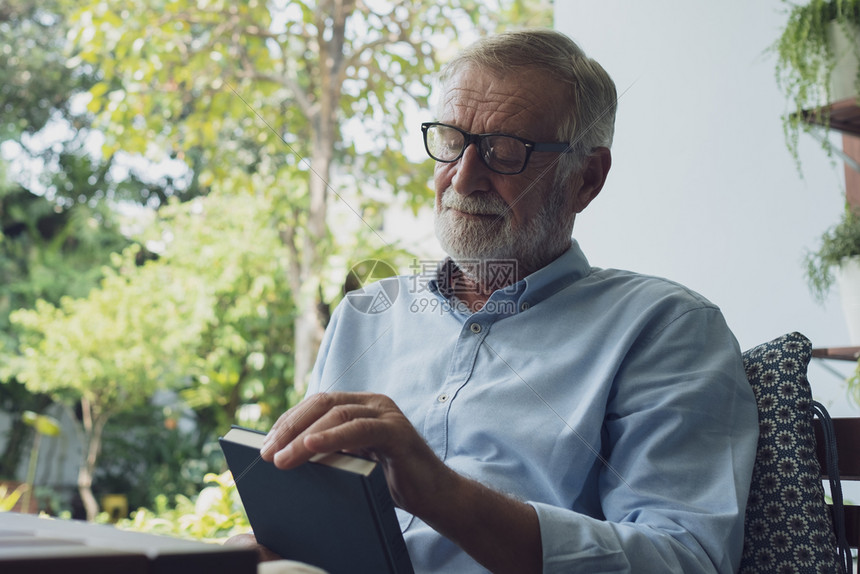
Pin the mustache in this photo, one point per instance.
(479, 203)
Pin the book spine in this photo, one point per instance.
(387, 522)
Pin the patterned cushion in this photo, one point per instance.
(787, 526)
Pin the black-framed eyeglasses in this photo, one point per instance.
(502, 153)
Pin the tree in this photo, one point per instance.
(39, 240)
(282, 90)
(239, 371)
(46, 252)
(58, 220)
(112, 349)
(210, 317)
(188, 84)
(244, 354)
(34, 82)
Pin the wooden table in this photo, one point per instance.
(837, 353)
(33, 545)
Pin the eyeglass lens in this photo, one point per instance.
(501, 153)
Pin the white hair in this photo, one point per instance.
(589, 120)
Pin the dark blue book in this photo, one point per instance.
(334, 512)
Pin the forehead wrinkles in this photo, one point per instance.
(491, 108)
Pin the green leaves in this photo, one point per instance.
(9, 497)
(805, 62)
(120, 343)
(213, 516)
(254, 98)
(837, 243)
(43, 424)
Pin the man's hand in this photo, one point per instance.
(367, 424)
(249, 541)
(501, 533)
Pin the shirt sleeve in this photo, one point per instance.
(678, 444)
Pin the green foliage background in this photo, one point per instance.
(152, 301)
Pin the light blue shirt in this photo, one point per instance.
(614, 403)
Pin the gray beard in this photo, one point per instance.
(476, 246)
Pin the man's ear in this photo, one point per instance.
(592, 177)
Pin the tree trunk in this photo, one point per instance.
(94, 423)
(306, 346)
(308, 327)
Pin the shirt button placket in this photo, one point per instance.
(436, 424)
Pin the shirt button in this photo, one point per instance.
(475, 327)
(525, 306)
(443, 398)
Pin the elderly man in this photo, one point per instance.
(533, 413)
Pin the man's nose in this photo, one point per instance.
(472, 174)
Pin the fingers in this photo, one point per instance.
(249, 541)
(245, 540)
(283, 431)
(350, 428)
(338, 429)
(293, 422)
(361, 423)
(326, 423)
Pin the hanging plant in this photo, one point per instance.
(838, 243)
(806, 60)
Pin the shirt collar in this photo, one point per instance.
(569, 267)
(566, 269)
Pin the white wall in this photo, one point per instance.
(702, 188)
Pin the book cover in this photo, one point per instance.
(334, 512)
